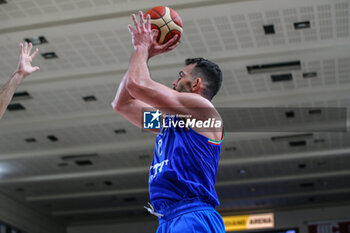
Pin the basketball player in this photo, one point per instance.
(24, 69)
(183, 171)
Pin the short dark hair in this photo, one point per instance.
(210, 72)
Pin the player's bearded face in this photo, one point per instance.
(183, 83)
(182, 86)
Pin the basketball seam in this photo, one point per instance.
(171, 31)
(157, 25)
(158, 12)
(172, 20)
(161, 16)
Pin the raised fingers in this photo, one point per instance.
(25, 47)
(131, 29)
(34, 53)
(30, 46)
(142, 21)
(136, 25)
(148, 23)
(21, 48)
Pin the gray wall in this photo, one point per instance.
(25, 218)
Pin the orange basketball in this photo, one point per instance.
(167, 21)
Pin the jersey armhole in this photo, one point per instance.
(210, 141)
(215, 142)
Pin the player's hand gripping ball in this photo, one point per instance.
(167, 22)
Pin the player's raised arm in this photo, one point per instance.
(24, 69)
(142, 87)
(125, 104)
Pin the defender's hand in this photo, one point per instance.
(25, 67)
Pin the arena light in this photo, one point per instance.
(52, 138)
(89, 98)
(20, 190)
(310, 75)
(83, 163)
(62, 164)
(319, 140)
(315, 112)
(119, 131)
(269, 29)
(297, 143)
(21, 95)
(242, 171)
(30, 140)
(290, 114)
(273, 67)
(49, 55)
(83, 157)
(291, 137)
(302, 25)
(36, 40)
(15, 107)
(108, 183)
(281, 77)
(307, 185)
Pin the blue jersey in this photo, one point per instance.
(184, 167)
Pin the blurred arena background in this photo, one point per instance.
(69, 163)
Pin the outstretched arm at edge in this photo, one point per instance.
(8, 90)
(24, 69)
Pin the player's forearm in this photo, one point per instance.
(138, 70)
(122, 97)
(8, 90)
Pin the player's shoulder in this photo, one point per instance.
(196, 100)
(200, 106)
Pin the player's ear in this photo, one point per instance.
(196, 84)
